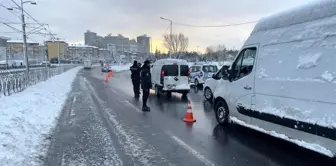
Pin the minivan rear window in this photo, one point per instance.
(170, 70)
(184, 70)
(210, 68)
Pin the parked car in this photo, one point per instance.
(200, 72)
(170, 75)
(105, 67)
(283, 80)
(211, 84)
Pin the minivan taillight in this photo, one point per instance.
(161, 77)
(188, 72)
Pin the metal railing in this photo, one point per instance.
(15, 81)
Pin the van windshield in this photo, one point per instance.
(170, 70)
(210, 68)
(184, 70)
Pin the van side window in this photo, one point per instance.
(192, 69)
(243, 65)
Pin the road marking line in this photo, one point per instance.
(191, 150)
(72, 112)
(113, 90)
(129, 103)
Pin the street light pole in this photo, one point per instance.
(171, 33)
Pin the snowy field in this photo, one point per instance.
(27, 118)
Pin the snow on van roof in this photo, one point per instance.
(164, 61)
(309, 12)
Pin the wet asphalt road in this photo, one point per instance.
(102, 124)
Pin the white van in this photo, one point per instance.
(170, 75)
(87, 64)
(283, 81)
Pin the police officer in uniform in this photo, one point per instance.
(146, 84)
(135, 76)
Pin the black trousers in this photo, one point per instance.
(136, 86)
(145, 95)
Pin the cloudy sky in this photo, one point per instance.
(71, 18)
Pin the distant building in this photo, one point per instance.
(144, 43)
(92, 39)
(119, 44)
(82, 52)
(104, 54)
(56, 47)
(15, 50)
(3, 47)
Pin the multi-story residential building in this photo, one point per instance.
(3, 47)
(119, 44)
(144, 43)
(15, 50)
(82, 52)
(104, 54)
(92, 39)
(56, 48)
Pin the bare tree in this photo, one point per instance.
(176, 43)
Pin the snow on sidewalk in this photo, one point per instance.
(26, 118)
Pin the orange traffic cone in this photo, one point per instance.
(189, 117)
(106, 78)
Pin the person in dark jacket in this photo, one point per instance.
(135, 76)
(146, 84)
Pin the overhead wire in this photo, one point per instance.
(214, 26)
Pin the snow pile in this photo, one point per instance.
(119, 68)
(308, 61)
(311, 146)
(26, 119)
(328, 76)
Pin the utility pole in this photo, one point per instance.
(25, 49)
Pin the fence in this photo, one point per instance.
(15, 81)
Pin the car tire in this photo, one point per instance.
(196, 83)
(222, 112)
(157, 91)
(208, 94)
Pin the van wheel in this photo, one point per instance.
(169, 94)
(222, 112)
(208, 94)
(157, 91)
(196, 83)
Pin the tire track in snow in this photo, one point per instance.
(133, 145)
(99, 148)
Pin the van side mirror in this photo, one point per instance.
(226, 74)
(214, 76)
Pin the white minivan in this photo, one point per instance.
(170, 75)
(87, 64)
(283, 81)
